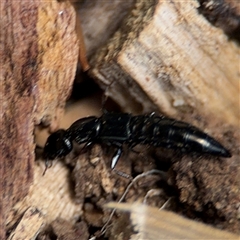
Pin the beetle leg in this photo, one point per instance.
(116, 157)
(87, 145)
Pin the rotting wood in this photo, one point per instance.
(100, 20)
(39, 54)
(58, 48)
(152, 223)
(29, 226)
(167, 54)
(82, 49)
(49, 194)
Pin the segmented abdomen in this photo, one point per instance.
(169, 133)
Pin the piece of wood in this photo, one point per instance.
(39, 53)
(100, 20)
(152, 223)
(167, 54)
(29, 226)
(48, 193)
(57, 60)
(82, 50)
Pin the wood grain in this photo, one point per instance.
(152, 223)
(39, 54)
(174, 58)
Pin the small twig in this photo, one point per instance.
(165, 204)
(145, 174)
(152, 192)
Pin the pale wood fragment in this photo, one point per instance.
(29, 226)
(50, 194)
(57, 58)
(100, 19)
(176, 58)
(152, 223)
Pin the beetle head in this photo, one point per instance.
(58, 145)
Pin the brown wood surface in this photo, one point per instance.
(38, 62)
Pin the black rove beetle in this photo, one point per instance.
(116, 129)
